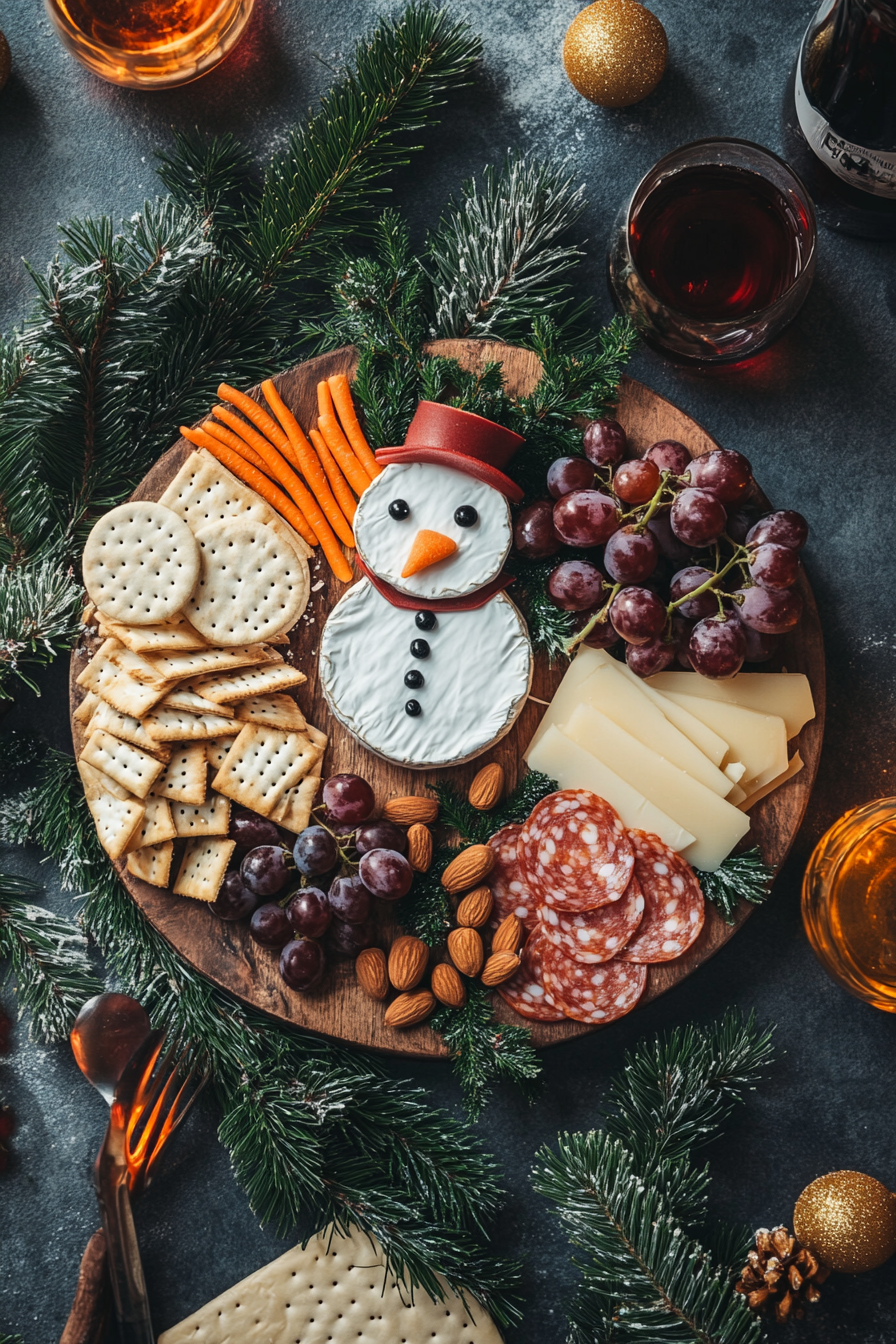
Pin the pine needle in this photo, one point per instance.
(741, 877)
(486, 1052)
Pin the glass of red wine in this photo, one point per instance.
(713, 254)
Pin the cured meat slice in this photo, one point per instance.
(510, 893)
(595, 935)
(674, 908)
(574, 852)
(593, 994)
(525, 991)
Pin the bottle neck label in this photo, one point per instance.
(870, 170)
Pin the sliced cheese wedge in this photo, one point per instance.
(715, 824)
(736, 796)
(786, 694)
(793, 768)
(758, 741)
(566, 696)
(711, 744)
(574, 768)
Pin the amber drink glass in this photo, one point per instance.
(150, 44)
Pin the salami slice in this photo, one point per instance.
(673, 902)
(593, 994)
(595, 935)
(510, 893)
(525, 991)
(574, 852)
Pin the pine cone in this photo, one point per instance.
(781, 1273)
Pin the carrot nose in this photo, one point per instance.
(428, 549)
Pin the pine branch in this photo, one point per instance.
(475, 827)
(40, 607)
(18, 752)
(486, 1052)
(47, 956)
(549, 627)
(741, 877)
(495, 260)
(311, 1128)
(426, 912)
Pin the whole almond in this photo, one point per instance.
(419, 847)
(508, 934)
(409, 1009)
(466, 951)
(448, 986)
(487, 787)
(475, 908)
(370, 972)
(468, 869)
(406, 811)
(408, 959)
(499, 967)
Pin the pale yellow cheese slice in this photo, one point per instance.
(715, 824)
(786, 694)
(711, 744)
(567, 761)
(758, 741)
(750, 800)
(566, 696)
(735, 770)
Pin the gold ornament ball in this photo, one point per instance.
(5, 61)
(615, 52)
(848, 1220)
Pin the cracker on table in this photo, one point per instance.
(277, 711)
(135, 665)
(203, 867)
(251, 583)
(176, 725)
(216, 750)
(127, 728)
(152, 863)
(211, 818)
(174, 636)
(293, 811)
(201, 662)
(97, 784)
(181, 697)
(263, 764)
(85, 710)
(185, 778)
(116, 820)
(141, 563)
(317, 737)
(228, 687)
(118, 689)
(337, 1288)
(122, 761)
(156, 827)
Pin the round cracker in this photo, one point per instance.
(141, 563)
(252, 584)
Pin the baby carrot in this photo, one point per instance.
(237, 444)
(309, 463)
(338, 483)
(277, 500)
(328, 423)
(345, 409)
(257, 414)
(244, 431)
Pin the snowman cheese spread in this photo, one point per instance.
(426, 661)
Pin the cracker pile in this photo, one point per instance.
(186, 708)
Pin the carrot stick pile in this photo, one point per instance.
(308, 480)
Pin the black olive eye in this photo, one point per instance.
(466, 516)
(425, 620)
(399, 508)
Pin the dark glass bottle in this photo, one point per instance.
(840, 115)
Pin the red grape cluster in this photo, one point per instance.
(688, 569)
(319, 898)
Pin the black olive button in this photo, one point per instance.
(466, 516)
(425, 620)
(419, 648)
(413, 707)
(399, 508)
(413, 679)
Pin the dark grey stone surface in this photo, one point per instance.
(815, 416)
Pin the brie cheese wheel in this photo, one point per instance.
(476, 677)
(432, 495)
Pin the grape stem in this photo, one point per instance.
(599, 617)
(344, 847)
(654, 504)
(709, 586)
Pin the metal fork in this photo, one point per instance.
(147, 1108)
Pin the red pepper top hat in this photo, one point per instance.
(449, 437)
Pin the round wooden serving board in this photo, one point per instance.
(225, 952)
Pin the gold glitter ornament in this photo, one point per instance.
(848, 1220)
(615, 52)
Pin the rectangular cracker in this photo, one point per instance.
(216, 751)
(201, 662)
(157, 825)
(204, 491)
(277, 711)
(317, 737)
(176, 725)
(212, 818)
(85, 710)
(116, 820)
(86, 677)
(127, 728)
(152, 863)
(203, 867)
(136, 666)
(185, 778)
(230, 687)
(118, 689)
(97, 784)
(174, 636)
(263, 764)
(293, 811)
(194, 703)
(122, 761)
